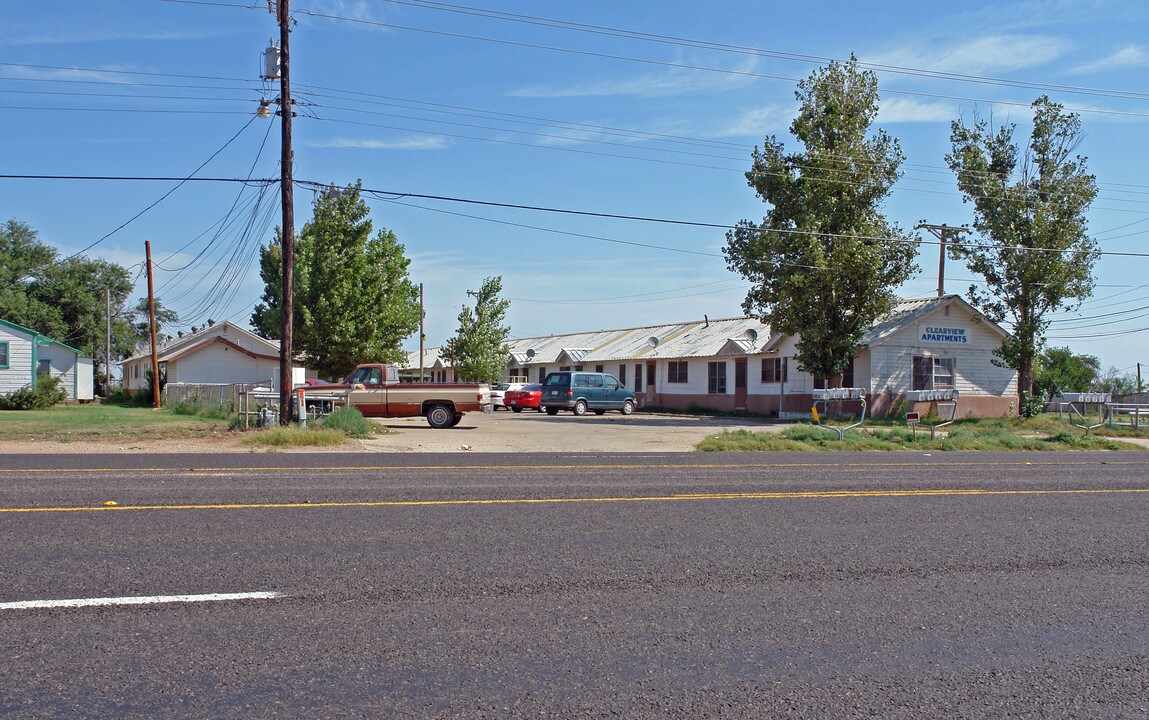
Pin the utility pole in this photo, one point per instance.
(422, 337)
(107, 343)
(940, 231)
(287, 200)
(152, 324)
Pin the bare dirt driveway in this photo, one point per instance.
(501, 431)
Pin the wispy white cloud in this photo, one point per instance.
(912, 110)
(758, 122)
(411, 143)
(351, 9)
(671, 82)
(990, 54)
(1132, 56)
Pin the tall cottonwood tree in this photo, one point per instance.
(479, 348)
(1031, 245)
(825, 262)
(354, 301)
(65, 299)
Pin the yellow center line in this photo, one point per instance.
(579, 466)
(678, 497)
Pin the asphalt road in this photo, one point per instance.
(638, 586)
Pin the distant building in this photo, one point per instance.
(731, 364)
(221, 353)
(26, 356)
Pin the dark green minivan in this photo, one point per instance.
(579, 391)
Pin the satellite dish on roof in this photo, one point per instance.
(751, 334)
(530, 353)
(652, 341)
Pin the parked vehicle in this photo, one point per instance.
(528, 396)
(374, 389)
(581, 391)
(499, 393)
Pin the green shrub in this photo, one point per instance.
(46, 394)
(1031, 405)
(349, 421)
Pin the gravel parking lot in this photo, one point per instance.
(501, 431)
(529, 431)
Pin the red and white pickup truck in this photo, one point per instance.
(374, 389)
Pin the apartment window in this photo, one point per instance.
(716, 378)
(542, 374)
(45, 368)
(676, 371)
(933, 373)
(622, 374)
(564, 368)
(638, 377)
(4, 355)
(774, 370)
(577, 367)
(650, 374)
(598, 368)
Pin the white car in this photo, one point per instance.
(499, 391)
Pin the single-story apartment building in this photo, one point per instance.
(216, 354)
(26, 355)
(730, 364)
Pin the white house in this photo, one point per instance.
(730, 364)
(220, 353)
(26, 355)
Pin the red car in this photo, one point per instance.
(528, 396)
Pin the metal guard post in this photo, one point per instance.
(946, 397)
(822, 396)
(1101, 400)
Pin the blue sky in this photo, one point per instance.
(641, 109)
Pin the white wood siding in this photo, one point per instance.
(63, 366)
(891, 360)
(216, 363)
(19, 371)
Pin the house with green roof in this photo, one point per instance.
(27, 355)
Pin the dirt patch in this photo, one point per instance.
(478, 432)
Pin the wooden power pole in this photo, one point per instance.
(152, 323)
(941, 232)
(287, 305)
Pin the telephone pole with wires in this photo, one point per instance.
(941, 233)
(277, 65)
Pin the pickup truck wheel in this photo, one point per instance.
(628, 407)
(440, 416)
(580, 407)
(552, 410)
(457, 419)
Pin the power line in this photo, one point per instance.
(682, 66)
(760, 52)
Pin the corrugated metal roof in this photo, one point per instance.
(697, 338)
(907, 311)
(178, 345)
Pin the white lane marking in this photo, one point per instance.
(142, 600)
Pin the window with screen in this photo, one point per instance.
(716, 378)
(933, 373)
(676, 371)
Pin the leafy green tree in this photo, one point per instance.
(1058, 370)
(64, 299)
(1115, 382)
(354, 301)
(824, 262)
(1029, 213)
(479, 347)
(265, 319)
